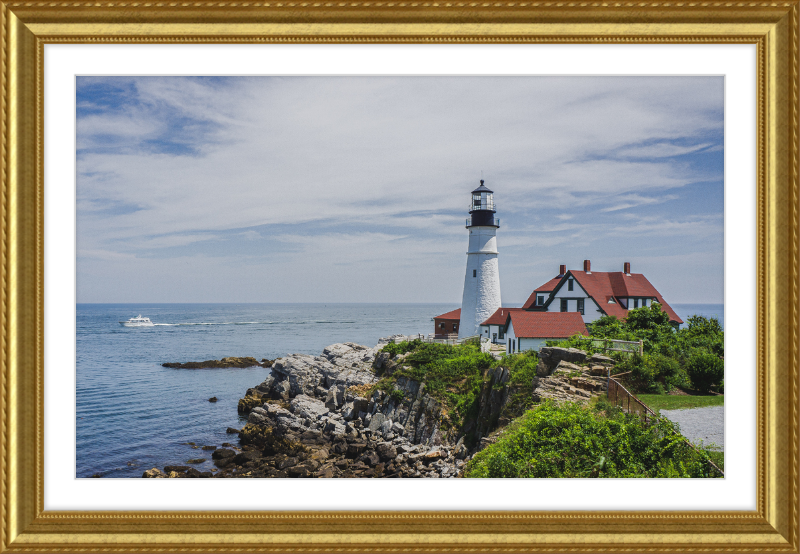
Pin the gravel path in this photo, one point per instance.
(700, 424)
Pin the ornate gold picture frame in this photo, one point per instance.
(28, 25)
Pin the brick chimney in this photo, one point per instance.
(626, 268)
(587, 266)
(562, 270)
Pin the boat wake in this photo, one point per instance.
(252, 323)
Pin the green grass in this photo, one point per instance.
(673, 402)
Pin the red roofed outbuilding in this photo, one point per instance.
(446, 325)
(529, 330)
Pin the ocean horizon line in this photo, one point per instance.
(318, 303)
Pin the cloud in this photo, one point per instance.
(369, 165)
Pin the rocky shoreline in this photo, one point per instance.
(320, 416)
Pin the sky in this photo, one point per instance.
(356, 189)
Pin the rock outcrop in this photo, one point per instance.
(551, 356)
(494, 395)
(570, 382)
(223, 363)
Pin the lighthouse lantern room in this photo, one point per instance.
(481, 296)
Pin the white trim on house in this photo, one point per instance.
(493, 332)
(591, 311)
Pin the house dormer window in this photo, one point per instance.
(569, 284)
(540, 300)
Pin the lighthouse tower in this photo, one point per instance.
(482, 282)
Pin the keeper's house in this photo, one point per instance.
(593, 294)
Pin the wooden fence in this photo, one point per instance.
(614, 345)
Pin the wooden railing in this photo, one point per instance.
(622, 397)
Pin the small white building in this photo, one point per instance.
(526, 330)
(494, 328)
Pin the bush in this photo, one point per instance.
(705, 369)
(401, 347)
(649, 373)
(571, 440)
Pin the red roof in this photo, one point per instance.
(602, 286)
(548, 287)
(455, 314)
(547, 325)
(500, 316)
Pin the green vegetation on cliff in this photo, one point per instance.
(453, 375)
(571, 440)
(689, 358)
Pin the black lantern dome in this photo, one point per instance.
(482, 208)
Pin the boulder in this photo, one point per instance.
(154, 473)
(600, 359)
(380, 360)
(222, 453)
(598, 371)
(567, 368)
(178, 469)
(550, 356)
(370, 458)
(307, 407)
(299, 471)
(243, 457)
(354, 449)
(333, 427)
(335, 397)
(376, 422)
(258, 416)
(386, 451)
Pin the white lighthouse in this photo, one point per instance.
(482, 282)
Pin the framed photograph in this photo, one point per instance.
(245, 95)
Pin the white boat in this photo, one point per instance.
(137, 321)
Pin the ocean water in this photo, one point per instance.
(684, 311)
(133, 414)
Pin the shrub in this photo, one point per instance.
(401, 347)
(705, 369)
(575, 441)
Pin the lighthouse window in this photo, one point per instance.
(474, 272)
